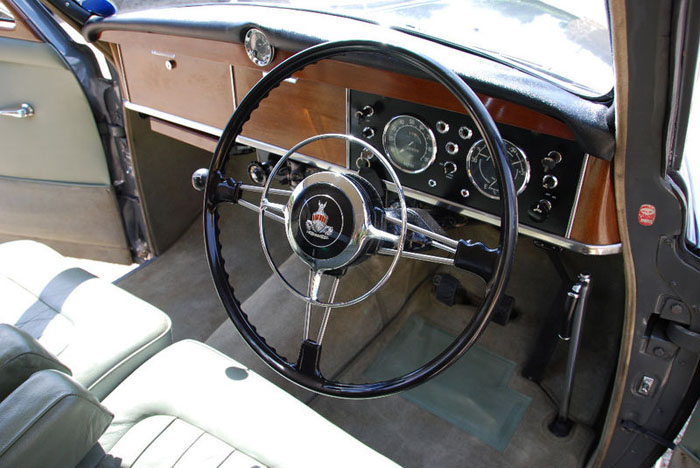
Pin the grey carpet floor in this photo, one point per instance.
(179, 281)
(414, 437)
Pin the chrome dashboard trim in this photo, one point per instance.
(347, 126)
(579, 247)
(174, 119)
(233, 86)
(579, 186)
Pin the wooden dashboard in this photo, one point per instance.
(201, 81)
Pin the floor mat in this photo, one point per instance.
(473, 394)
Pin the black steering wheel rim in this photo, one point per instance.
(507, 240)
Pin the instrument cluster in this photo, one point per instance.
(442, 155)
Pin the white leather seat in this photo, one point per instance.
(191, 406)
(99, 331)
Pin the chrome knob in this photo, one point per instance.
(442, 126)
(549, 182)
(465, 133)
(449, 167)
(258, 172)
(451, 147)
(199, 179)
(368, 132)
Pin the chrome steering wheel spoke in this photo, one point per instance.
(309, 359)
(329, 222)
(382, 235)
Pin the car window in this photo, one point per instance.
(690, 168)
(565, 41)
(7, 21)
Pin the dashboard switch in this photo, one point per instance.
(465, 133)
(550, 161)
(549, 182)
(442, 127)
(539, 211)
(451, 147)
(449, 167)
(364, 113)
(368, 132)
(432, 183)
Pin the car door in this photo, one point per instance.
(55, 183)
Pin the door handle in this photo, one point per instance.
(24, 111)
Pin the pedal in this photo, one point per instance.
(504, 311)
(449, 291)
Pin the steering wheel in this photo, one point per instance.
(333, 219)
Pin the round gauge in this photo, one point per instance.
(482, 170)
(409, 143)
(258, 48)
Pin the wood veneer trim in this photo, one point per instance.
(184, 134)
(351, 76)
(193, 87)
(595, 220)
(291, 113)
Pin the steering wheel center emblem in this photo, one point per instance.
(322, 227)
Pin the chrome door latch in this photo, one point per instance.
(24, 111)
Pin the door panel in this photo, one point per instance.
(55, 185)
(60, 142)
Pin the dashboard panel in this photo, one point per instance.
(431, 149)
(324, 97)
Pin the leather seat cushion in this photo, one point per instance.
(168, 441)
(99, 331)
(20, 357)
(192, 404)
(49, 420)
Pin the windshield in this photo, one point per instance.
(566, 40)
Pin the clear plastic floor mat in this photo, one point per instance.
(472, 394)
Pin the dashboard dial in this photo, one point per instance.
(482, 170)
(258, 48)
(409, 144)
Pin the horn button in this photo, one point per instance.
(329, 220)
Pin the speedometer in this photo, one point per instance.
(482, 170)
(409, 143)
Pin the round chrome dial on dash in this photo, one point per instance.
(409, 143)
(258, 47)
(482, 170)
